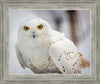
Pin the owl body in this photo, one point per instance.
(39, 57)
(44, 50)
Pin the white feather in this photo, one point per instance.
(42, 52)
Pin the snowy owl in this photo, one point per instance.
(44, 50)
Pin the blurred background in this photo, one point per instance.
(75, 24)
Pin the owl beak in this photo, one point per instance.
(33, 35)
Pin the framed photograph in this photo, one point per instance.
(63, 21)
(49, 42)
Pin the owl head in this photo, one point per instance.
(33, 28)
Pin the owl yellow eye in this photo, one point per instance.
(40, 26)
(26, 28)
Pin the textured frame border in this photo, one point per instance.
(8, 7)
(4, 43)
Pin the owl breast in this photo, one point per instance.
(37, 57)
